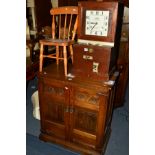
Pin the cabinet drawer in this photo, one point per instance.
(55, 91)
(85, 99)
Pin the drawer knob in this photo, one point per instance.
(66, 88)
(87, 57)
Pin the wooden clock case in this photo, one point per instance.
(94, 62)
(112, 7)
(105, 55)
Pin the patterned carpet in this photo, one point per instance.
(118, 143)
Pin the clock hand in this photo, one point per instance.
(93, 23)
(93, 26)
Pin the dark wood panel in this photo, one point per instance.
(85, 120)
(74, 2)
(43, 17)
(96, 62)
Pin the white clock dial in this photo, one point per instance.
(96, 22)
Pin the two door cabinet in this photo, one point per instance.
(75, 113)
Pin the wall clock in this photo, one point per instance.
(98, 22)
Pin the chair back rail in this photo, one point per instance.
(66, 18)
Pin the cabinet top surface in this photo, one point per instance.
(56, 72)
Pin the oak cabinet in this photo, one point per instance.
(75, 113)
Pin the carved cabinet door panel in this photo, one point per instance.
(87, 117)
(54, 108)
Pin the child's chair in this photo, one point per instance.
(65, 19)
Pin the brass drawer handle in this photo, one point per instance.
(87, 57)
(91, 50)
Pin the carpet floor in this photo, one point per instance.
(34, 146)
(118, 143)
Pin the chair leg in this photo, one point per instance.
(57, 55)
(71, 52)
(41, 58)
(60, 52)
(65, 59)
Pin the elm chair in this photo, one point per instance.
(64, 27)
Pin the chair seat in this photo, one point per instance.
(57, 42)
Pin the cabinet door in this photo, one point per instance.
(88, 117)
(54, 107)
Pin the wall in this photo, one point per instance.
(54, 3)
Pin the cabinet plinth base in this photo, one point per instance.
(75, 147)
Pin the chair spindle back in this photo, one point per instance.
(66, 18)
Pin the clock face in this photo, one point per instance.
(96, 22)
